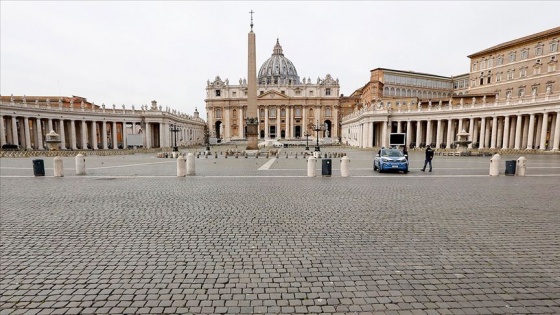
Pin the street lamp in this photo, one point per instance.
(318, 128)
(174, 128)
(306, 140)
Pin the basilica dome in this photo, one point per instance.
(278, 69)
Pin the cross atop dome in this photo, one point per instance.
(251, 12)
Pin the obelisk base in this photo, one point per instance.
(252, 136)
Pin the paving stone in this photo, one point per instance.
(410, 244)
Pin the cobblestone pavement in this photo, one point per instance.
(132, 238)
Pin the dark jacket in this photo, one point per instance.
(429, 153)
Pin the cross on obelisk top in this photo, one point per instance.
(251, 18)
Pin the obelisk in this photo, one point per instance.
(251, 115)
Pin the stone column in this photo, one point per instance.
(471, 132)
(278, 119)
(227, 121)
(287, 120)
(556, 132)
(304, 121)
(429, 132)
(84, 134)
(125, 132)
(487, 135)
(73, 135)
(62, 134)
(552, 130)
(500, 133)
(449, 133)
(531, 132)
(50, 126)
(517, 145)
(2, 131)
(399, 127)
(27, 133)
(543, 132)
(408, 133)
(460, 127)
(39, 134)
(148, 136)
(524, 133)
(418, 133)
(266, 123)
(114, 134)
(482, 133)
(384, 134)
(505, 143)
(475, 131)
(94, 134)
(104, 135)
(438, 134)
(241, 128)
(494, 132)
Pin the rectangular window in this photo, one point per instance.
(536, 70)
(525, 53)
(234, 94)
(512, 57)
(500, 61)
(474, 67)
(490, 62)
(283, 113)
(510, 74)
(218, 92)
(327, 91)
(554, 46)
(272, 113)
(283, 92)
(498, 77)
(298, 92)
(310, 93)
(297, 112)
(522, 72)
(552, 67)
(538, 50)
(520, 92)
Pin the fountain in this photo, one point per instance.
(53, 140)
(462, 142)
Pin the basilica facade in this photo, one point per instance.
(509, 100)
(288, 107)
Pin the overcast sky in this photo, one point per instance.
(134, 52)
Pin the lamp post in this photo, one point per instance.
(318, 128)
(174, 128)
(306, 140)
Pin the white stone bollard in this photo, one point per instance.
(311, 162)
(190, 164)
(345, 167)
(181, 167)
(80, 164)
(175, 154)
(495, 165)
(521, 166)
(58, 169)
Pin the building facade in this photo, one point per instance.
(26, 120)
(287, 107)
(508, 100)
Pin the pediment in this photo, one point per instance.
(272, 95)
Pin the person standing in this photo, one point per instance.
(405, 152)
(429, 157)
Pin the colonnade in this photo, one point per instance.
(523, 128)
(27, 129)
